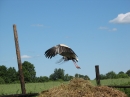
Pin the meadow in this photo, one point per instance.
(6, 89)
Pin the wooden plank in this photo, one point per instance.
(19, 60)
(21, 95)
(119, 86)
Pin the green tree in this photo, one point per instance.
(70, 77)
(66, 77)
(128, 72)
(11, 74)
(28, 71)
(3, 72)
(43, 79)
(103, 76)
(52, 77)
(2, 81)
(58, 74)
(82, 76)
(76, 75)
(37, 79)
(121, 72)
(86, 77)
(122, 75)
(111, 75)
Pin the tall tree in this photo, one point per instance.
(28, 71)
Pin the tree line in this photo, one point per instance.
(113, 75)
(10, 75)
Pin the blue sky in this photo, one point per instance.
(98, 32)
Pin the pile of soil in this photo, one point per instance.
(79, 87)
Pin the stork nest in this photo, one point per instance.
(78, 87)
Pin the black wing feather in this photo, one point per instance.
(51, 52)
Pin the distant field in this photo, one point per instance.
(6, 89)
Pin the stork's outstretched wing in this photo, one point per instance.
(51, 52)
(59, 49)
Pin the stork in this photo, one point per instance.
(63, 50)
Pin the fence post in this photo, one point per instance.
(19, 60)
(97, 75)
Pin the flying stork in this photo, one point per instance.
(63, 50)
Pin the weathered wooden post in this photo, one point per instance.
(97, 75)
(19, 60)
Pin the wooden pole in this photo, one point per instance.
(19, 60)
(97, 75)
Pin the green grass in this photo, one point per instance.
(7, 89)
(113, 81)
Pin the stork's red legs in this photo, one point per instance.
(76, 65)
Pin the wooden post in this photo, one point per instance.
(97, 75)
(19, 60)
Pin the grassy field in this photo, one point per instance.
(6, 89)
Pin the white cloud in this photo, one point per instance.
(25, 56)
(107, 29)
(36, 56)
(121, 18)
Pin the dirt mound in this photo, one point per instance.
(78, 87)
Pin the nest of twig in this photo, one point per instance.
(78, 87)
